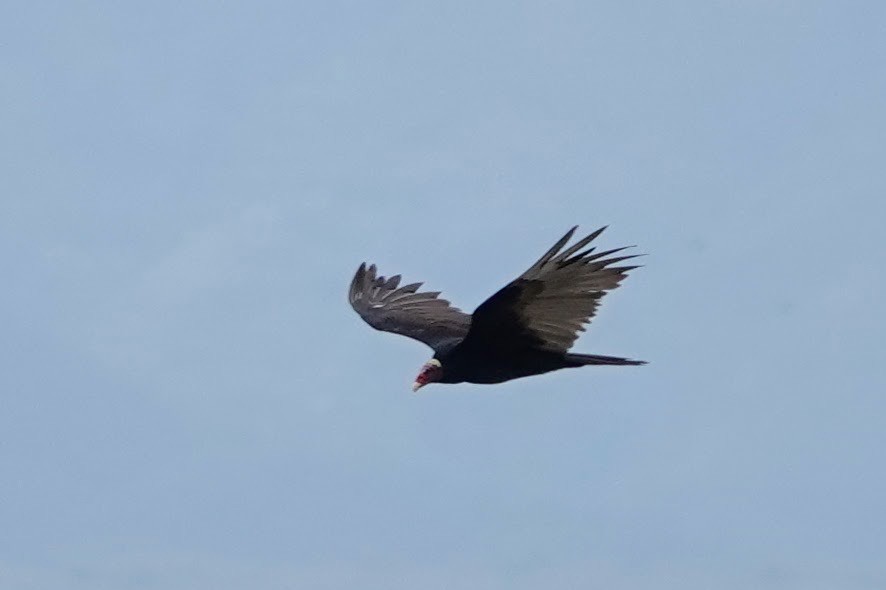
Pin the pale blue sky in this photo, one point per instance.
(189, 402)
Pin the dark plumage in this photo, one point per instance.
(527, 328)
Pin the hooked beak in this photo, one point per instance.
(430, 372)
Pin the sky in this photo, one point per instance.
(188, 401)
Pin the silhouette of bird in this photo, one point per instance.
(526, 328)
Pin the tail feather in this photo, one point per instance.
(599, 359)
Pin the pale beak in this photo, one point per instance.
(416, 386)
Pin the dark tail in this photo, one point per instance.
(599, 359)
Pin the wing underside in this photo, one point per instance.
(552, 302)
(421, 315)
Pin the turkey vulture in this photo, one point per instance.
(525, 329)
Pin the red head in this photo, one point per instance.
(431, 371)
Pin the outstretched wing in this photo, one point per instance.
(548, 305)
(406, 310)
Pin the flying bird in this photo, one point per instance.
(526, 328)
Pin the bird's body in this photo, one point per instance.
(526, 328)
(467, 364)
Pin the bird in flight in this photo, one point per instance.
(526, 328)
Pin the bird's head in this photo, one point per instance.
(431, 371)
